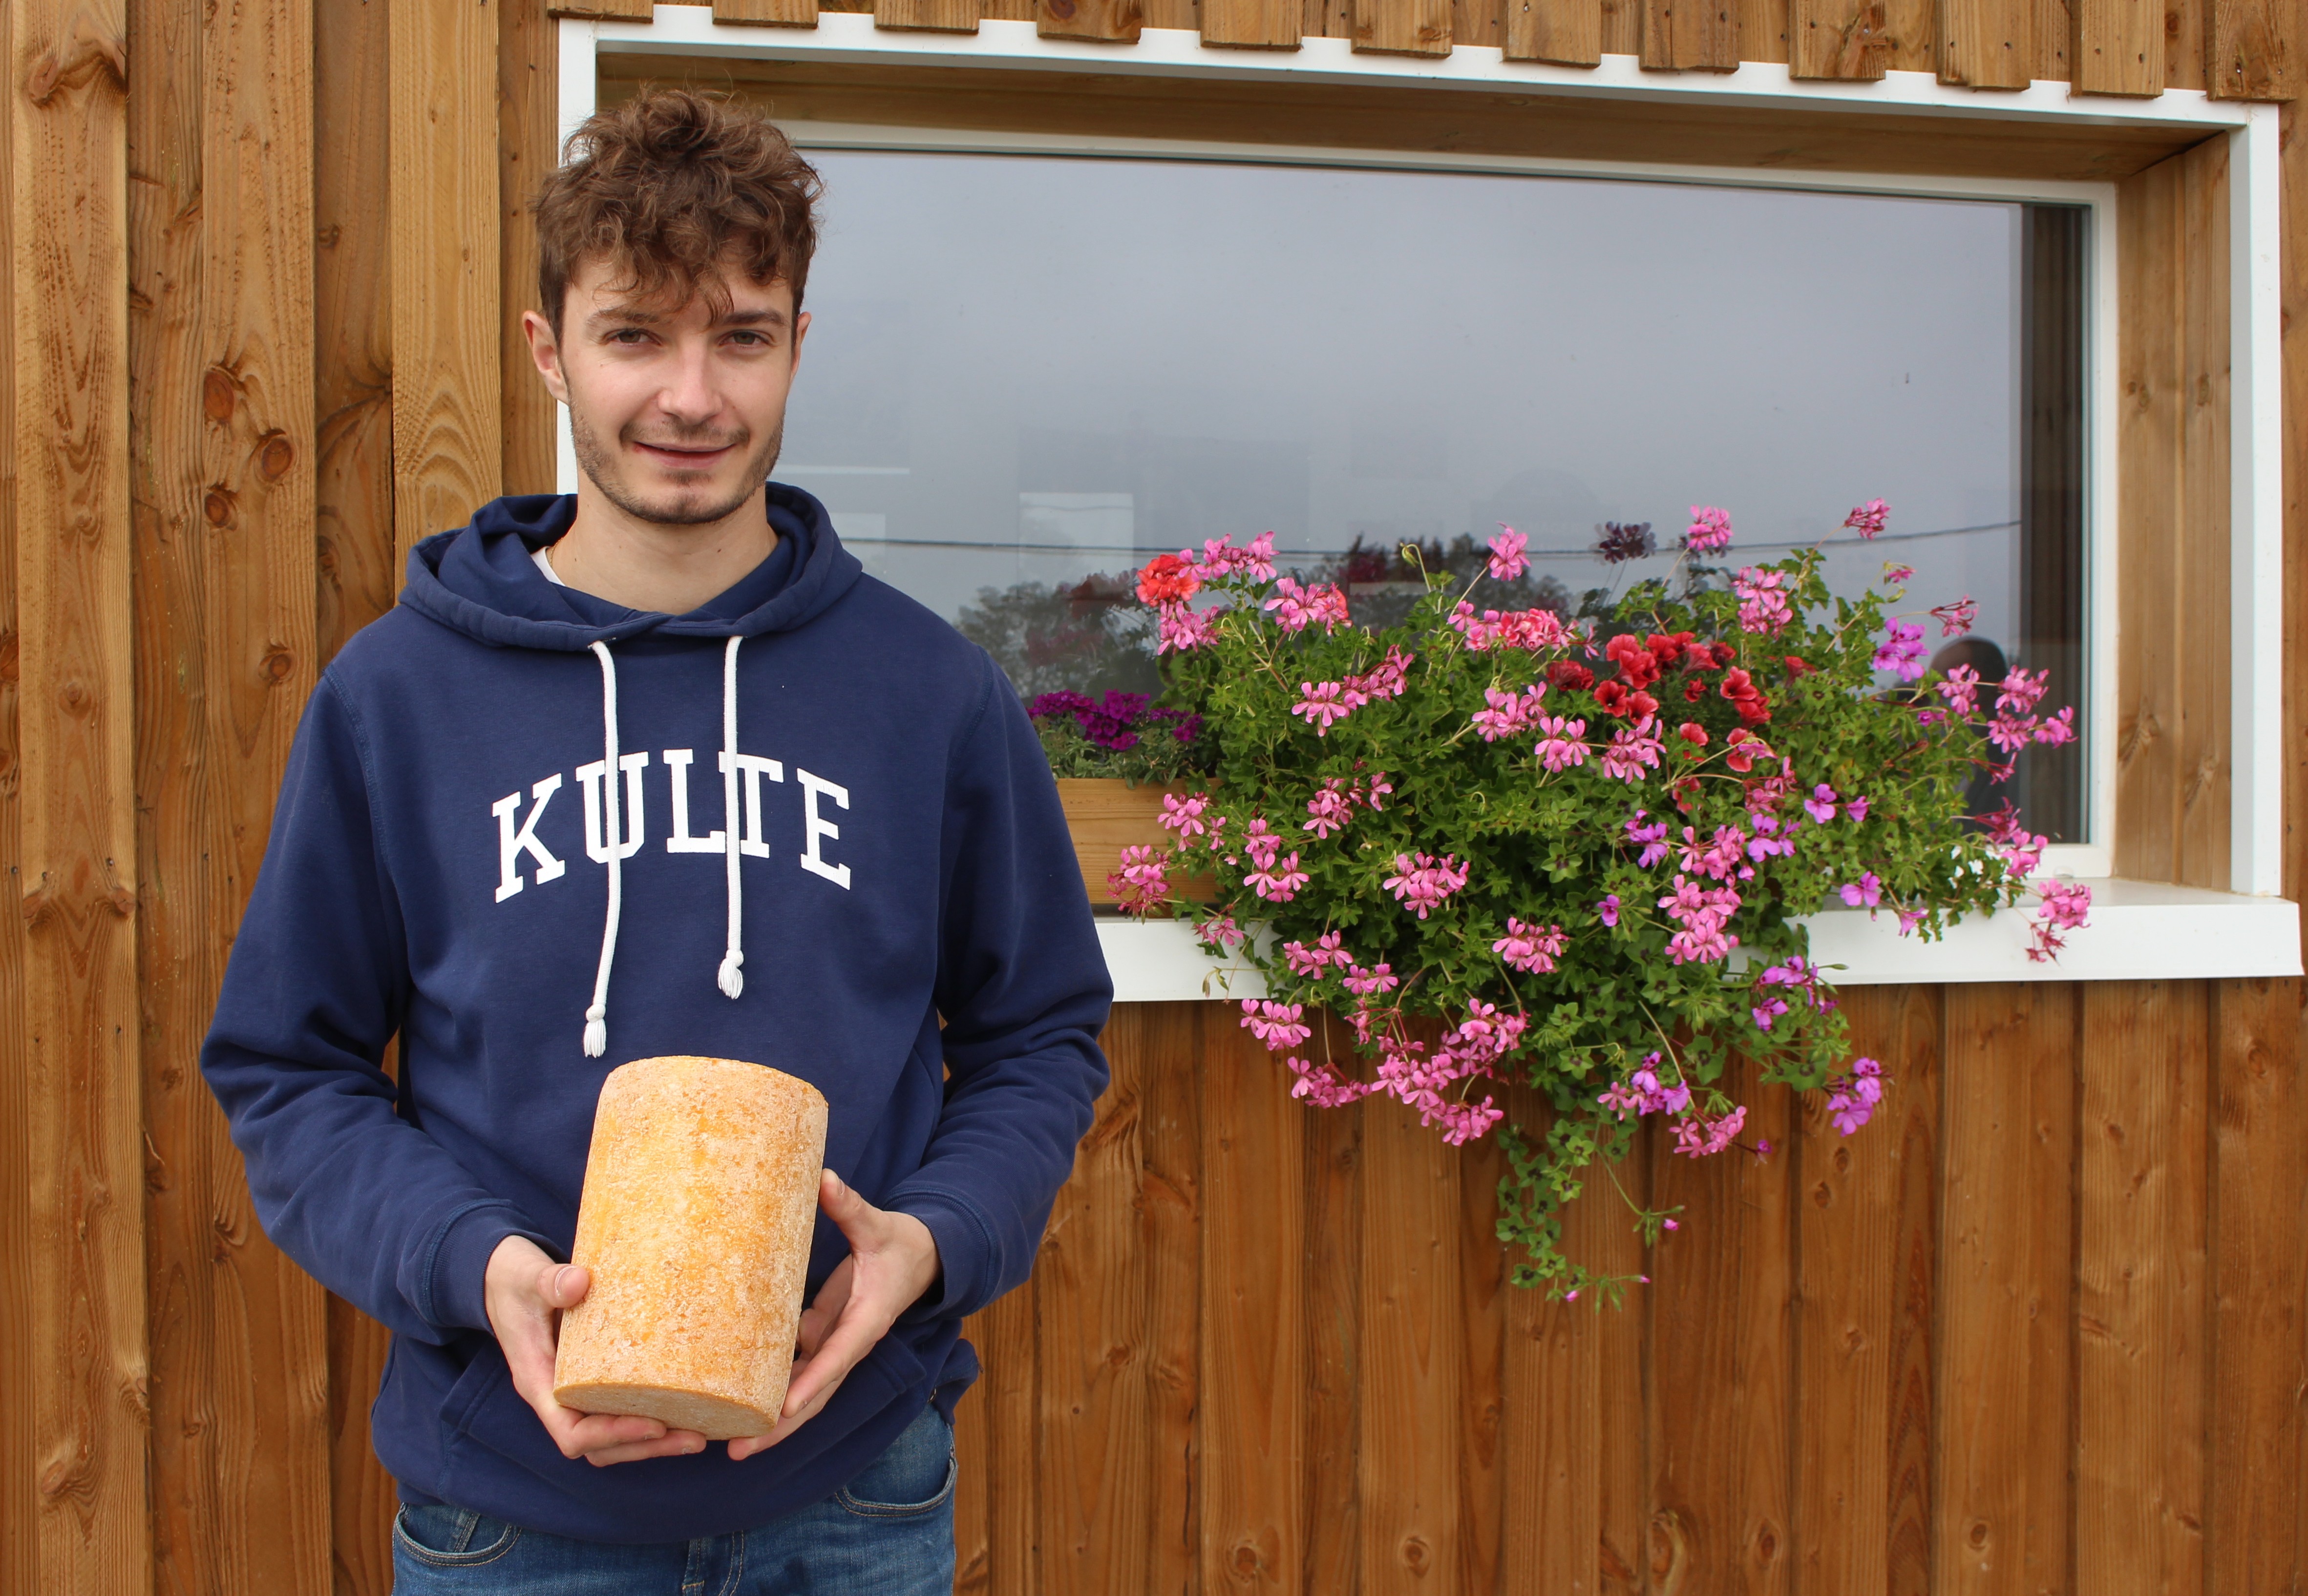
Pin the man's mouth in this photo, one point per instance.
(683, 456)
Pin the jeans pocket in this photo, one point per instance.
(444, 1537)
(915, 1474)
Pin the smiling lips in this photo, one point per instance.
(682, 457)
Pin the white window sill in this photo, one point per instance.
(2140, 930)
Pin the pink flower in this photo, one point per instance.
(1653, 837)
(1563, 744)
(1609, 911)
(2061, 909)
(1763, 600)
(1142, 882)
(1894, 573)
(1768, 1010)
(2057, 728)
(1278, 883)
(1711, 529)
(1960, 689)
(1699, 1136)
(1220, 558)
(1425, 883)
(2020, 691)
(1322, 705)
(1181, 627)
(1329, 809)
(1185, 815)
(1856, 809)
(1633, 749)
(1902, 650)
(1378, 788)
(1386, 679)
(1291, 610)
(1322, 1085)
(1867, 519)
(1220, 931)
(1530, 948)
(1507, 561)
(1851, 1099)
(1866, 890)
(1820, 806)
(1277, 1024)
(1508, 713)
(1371, 982)
(1955, 619)
(1261, 842)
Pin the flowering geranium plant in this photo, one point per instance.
(1121, 734)
(1509, 846)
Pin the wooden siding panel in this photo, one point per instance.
(1850, 39)
(1402, 27)
(2141, 1362)
(2002, 1378)
(1679, 35)
(772, 13)
(1720, 1368)
(528, 139)
(1563, 32)
(1096, 22)
(68, 236)
(1988, 44)
(2251, 49)
(1253, 25)
(932, 16)
(1008, 1341)
(1333, 1401)
(1252, 1421)
(1914, 1041)
(447, 420)
(2258, 1488)
(2187, 33)
(19, 1486)
(1482, 1343)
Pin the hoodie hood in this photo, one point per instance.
(480, 580)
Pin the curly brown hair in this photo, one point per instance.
(671, 186)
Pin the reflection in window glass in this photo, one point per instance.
(1025, 375)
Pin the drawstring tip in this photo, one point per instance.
(732, 978)
(597, 1038)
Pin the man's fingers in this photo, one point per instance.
(821, 1316)
(563, 1285)
(814, 1379)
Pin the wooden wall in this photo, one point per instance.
(2038, 1328)
(233, 395)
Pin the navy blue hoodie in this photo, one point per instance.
(440, 867)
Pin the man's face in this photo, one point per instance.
(676, 412)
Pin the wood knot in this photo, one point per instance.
(74, 697)
(1064, 10)
(219, 505)
(278, 663)
(1414, 1553)
(1247, 1563)
(1976, 1536)
(220, 394)
(274, 455)
(92, 51)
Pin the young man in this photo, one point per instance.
(657, 768)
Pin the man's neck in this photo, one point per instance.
(648, 565)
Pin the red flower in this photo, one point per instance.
(1637, 665)
(1797, 666)
(1741, 690)
(1612, 698)
(1693, 732)
(1641, 703)
(1666, 647)
(1694, 691)
(1744, 748)
(1570, 673)
(1168, 580)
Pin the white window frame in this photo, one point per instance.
(2255, 376)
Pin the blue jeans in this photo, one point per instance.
(888, 1533)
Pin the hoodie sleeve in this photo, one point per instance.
(1023, 987)
(368, 1204)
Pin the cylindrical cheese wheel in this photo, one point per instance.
(701, 1193)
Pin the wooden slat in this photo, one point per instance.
(2257, 1491)
(1761, 26)
(528, 131)
(447, 420)
(1914, 30)
(1171, 1217)
(1332, 1420)
(68, 236)
(1253, 1315)
(2055, 30)
(222, 353)
(769, 14)
(1402, 27)
(1008, 1347)
(1481, 22)
(973, 1453)
(1483, 1291)
(1720, 1451)
(2187, 33)
(1251, 24)
(2201, 572)
(1913, 1056)
(2140, 1352)
(2251, 49)
(1098, 21)
(1564, 33)
(2119, 47)
(1622, 1404)
(1987, 44)
(1092, 1301)
(935, 16)
(1848, 1202)
(1850, 39)
(1621, 27)
(603, 11)
(1410, 1373)
(2001, 1385)
(19, 1549)
(1105, 817)
(1690, 35)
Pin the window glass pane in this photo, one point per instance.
(1025, 374)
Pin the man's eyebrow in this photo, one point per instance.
(623, 316)
(751, 318)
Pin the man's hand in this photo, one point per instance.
(525, 1292)
(892, 1260)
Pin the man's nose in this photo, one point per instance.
(690, 395)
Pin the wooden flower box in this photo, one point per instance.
(1108, 815)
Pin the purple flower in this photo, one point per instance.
(1902, 650)
(1618, 542)
(1507, 561)
(1710, 531)
(1610, 910)
(1867, 890)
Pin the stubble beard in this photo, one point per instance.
(600, 467)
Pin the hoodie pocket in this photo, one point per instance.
(474, 1388)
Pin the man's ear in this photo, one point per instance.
(546, 350)
(801, 332)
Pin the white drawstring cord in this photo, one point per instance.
(733, 974)
(597, 1018)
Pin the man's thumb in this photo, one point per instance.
(567, 1286)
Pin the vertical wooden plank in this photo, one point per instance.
(1914, 30)
(528, 132)
(1621, 27)
(1332, 1141)
(222, 438)
(1482, 1314)
(1094, 1311)
(1411, 1379)
(68, 238)
(767, 13)
(2054, 32)
(935, 16)
(1563, 32)
(973, 1487)
(447, 432)
(2187, 33)
(1402, 27)
(1253, 1317)
(1622, 1366)
(2140, 1303)
(1689, 34)
(601, 11)
(2258, 1489)
(2173, 764)
(1987, 44)
(1914, 1057)
(2251, 49)
(1759, 29)
(1008, 1341)
(1845, 1316)
(1098, 21)
(1253, 25)
(2001, 1383)
(1722, 1362)
(1171, 1221)
(2119, 47)
(1849, 39)
(1481, 22)
(19, 1544)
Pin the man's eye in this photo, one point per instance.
(627, 335)
(753, 339)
